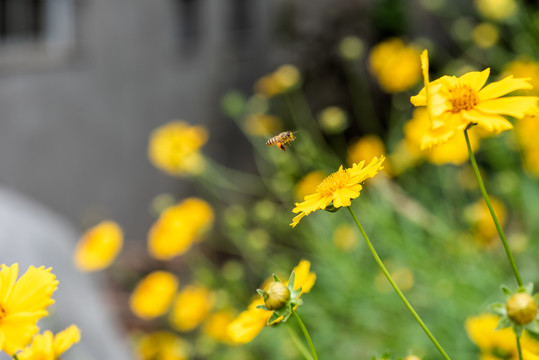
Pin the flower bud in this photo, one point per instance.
(521, 308)
(276, 295)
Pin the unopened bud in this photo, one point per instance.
(521, 308)
(276, 295)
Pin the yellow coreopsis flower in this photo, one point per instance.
(22, 303)
(47, 346)
(524, 68)
(161, 345)
(250, 322)
(367, 147)
(191, 307)
(455, 103)
(178, 227)
(217, 323)
(526, 133)
(478, 215)
(338, 188)
(307, 185)
(395, 65)
(496, 9)
(499, 344)
(98, 246)
(153, 294)
(174, 148)
(285, 78)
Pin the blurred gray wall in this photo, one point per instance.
(78, 100)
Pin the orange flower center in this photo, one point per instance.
(333, 183)
(2, 312)
(463, 98)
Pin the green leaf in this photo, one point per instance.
(276, 278)
(518, 330)
(273, 317)
(261, 292)
(508, 293)
(529, 288)
(533, 327)
(263, 307)
(504, 323)
(291, 281)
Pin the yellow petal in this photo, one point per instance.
(64, 339)
(296, 219)
(342, 197)
(516, 106)
(475, 79)
(503, 87)
(491, 122)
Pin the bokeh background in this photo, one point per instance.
(83, 83)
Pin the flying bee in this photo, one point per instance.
(284, 138)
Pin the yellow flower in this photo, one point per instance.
(178, 227)
(153, 294)
(454, 151)
(161, 345)
(455, 103)
(285, 78)
(367, 147)
(395, 65)
(250, 322)
(351, 48)
(496, 9)
(338, 188)
(262, 124)
(345, 237)
(191, 307)
(98, 246)
(22, 304)
(333, 120)
(478, 215)
(499, 344)
(485, 35)
(307, 185)
(174, 148)
(48, 347)
(216, 325)
(526, 133)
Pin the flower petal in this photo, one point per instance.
(516, 106)
(342, 197)
(503, 87)
(296, 219)
(490, 122)
(475, 79)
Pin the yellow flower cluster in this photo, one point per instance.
(284, 79)
(499, 344)
(23, 302)
(191, 306)
(395, 65)
(179, 227)
(526, 132)
(250, 322)
(153, 294)
(161, 345)
(174, 148)
(453, 104)
(98, 246)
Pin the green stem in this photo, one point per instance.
(491, 209)
(395, 286)
(306, 333)
(299, 344)
(15, 357)
(518, 348)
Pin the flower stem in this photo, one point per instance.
(15, 357)
(397, 290)
(299, 344)
(518, 348)
(306, 333)
(491, 209)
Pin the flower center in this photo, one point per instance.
(2, 312)
(333, 183)
(463, 98)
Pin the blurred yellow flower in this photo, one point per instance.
(480, 219)
(285, 78)
(333, 120)
(248, 324)
(217, 323)
(395, 65)
(367, 147)
(455, 103)
(161, 345)
(404, 278)
(345, 237)
(178, 227)
(454, 151)
(98, 246)
(496, 9)
(524, 68)
(22, 303)
(499, 344)
(526, 131)
(262, 125)
(191, 307)
(485, 35)
(153, 294)
(174, 148)
(48, 347)
(338, 188)
(307, 185)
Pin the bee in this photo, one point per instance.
(284, 138)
